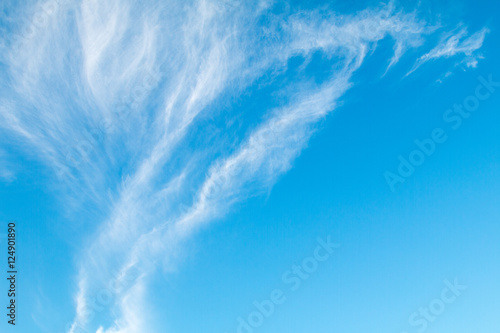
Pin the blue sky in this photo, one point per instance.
(169, 164)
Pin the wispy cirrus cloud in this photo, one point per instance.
(271, 147)
(455, 44)
(154, 186)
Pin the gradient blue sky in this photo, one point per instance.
(196, 150)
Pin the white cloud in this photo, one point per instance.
(7, 173)
(454, 44)
(271, 147)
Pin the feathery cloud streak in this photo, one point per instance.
(454, 44)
